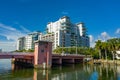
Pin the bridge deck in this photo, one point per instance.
(15, 55)
(56, 58)
(67, 56)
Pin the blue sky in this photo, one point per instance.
(19, 17)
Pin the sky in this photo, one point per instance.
(20, 17)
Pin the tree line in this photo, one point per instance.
(102, 50)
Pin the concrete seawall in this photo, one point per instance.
(105, 62)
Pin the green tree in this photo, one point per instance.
(114, 44)
(104, 47)
(98, 47)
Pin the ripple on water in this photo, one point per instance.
(5, 66)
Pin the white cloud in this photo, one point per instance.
(92, 44)
(91, 38)
(6, 27)
(118, 31)
(24, 29)
(65, 13)
(7, 46)
(92, 41)
(11, 34)
(104, 36)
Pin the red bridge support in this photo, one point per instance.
(43, 54)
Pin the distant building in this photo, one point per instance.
(30, 39)
(0, 50)
(21, 43)
(27, 42)
(49, 37)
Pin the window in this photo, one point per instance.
(42, 50)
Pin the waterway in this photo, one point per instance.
(9, 71)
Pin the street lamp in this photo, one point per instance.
(76, 39)
(62, 30)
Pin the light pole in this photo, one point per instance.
(76, 40)
(62, 40)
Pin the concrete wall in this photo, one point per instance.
(43, 54)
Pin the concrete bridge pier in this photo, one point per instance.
(23, 62)
(68, 61)
(57, 61)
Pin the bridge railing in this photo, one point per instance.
(16, 53)
(68, 55)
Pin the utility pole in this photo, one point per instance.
(62, 40)
(76, 40)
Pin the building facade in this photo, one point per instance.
(67, 34)
(21, 43)
(27, 42)
(62, 33)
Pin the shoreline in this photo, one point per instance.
(94, 61)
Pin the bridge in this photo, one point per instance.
(67, 58)
(7, 55)
(42, 57)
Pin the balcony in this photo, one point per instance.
(65, 24)
(84, 29)
(65, 29)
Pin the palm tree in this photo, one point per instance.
(98, 47)
(104, 47)
(114, 44)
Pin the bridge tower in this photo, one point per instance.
(43, 54)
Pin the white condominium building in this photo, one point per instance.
(27, 42)
(63, 33)
(21, 43)
(67, 34)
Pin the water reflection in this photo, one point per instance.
(5, 66)
(87, 72)
(69, 72)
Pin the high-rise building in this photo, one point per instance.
(63, 33)
(30, 39)
(27, 42)
(49, 37)
(66, 34)
(21, 43)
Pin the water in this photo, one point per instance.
(69, 72)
